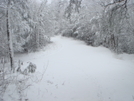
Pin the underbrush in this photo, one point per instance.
(14, 86)
(120, 43)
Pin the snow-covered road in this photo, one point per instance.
(77, 72)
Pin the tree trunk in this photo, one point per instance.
(37, 38)
(9, 37)
(36, 32)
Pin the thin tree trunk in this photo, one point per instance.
(10, 43)
(37, 38)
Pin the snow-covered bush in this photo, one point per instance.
(15, 83)
(67, 32)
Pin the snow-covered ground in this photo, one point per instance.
(77, 72)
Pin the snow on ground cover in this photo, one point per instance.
(77, 72)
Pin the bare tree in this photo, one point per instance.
(9, 35)
(113, 17)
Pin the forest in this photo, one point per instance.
(33, 29)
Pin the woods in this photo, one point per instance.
(22, 30)
(109, 25)
(26, 26)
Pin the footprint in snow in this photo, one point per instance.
(50, 82)
(56, 85)
(63, 83)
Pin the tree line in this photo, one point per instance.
(105, 22)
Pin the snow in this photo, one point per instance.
(74, 71)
